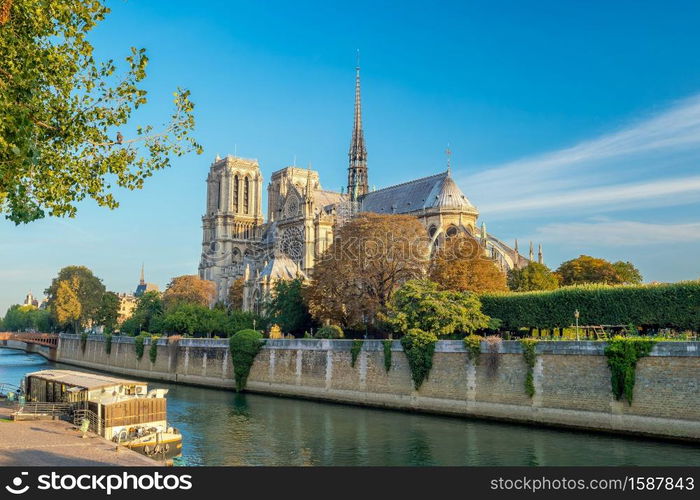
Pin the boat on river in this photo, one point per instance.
(123, 411)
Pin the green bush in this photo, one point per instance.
(419, 347)
(329, 332)
(472, 343)
(138, 344)
(530, 355)
(153, 349)
(108, 344)
(674, 305)
(244, 346)
(355, 351)
(387, 354)
(623, 354)
(83, 341)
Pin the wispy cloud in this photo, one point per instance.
(599, 173)
(616, 233)
(667, 192)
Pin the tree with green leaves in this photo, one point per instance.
(26, 317)
(87, 287)
(534, 276)
(108, 313)
(67, 306)
(421, 304)
(587, 269)
(288, 309)
(66, 128)
(146, 316)
(627, 273)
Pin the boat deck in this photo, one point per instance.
(56, 442)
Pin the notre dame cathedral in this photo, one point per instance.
(302, 216)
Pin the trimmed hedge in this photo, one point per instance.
(675, 305)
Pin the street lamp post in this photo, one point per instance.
(576, 315)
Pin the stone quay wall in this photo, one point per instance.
(571, 379)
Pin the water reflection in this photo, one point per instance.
(225, 428)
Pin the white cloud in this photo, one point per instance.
(670, 192)
(616, 233)
(599, 173)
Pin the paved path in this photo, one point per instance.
(56, 443)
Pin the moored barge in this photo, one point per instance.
(123, 411)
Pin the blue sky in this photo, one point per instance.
(573, 124)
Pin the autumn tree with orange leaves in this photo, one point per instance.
(460, 265)
(371, 256)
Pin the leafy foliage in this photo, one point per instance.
(460, 265)
(627, 274)
(472, 343)
(88, 290)
(355, 351)
(21, 318)
(108, 312)
(329, 332)
(587, 269)
(288, 308)
(276, 332)
(138, 344)
(62, 113)
(108, 343)
(66, 304)
(153, 349)
(189, 289)
(235, 294)
(657, 306)
(623, 354)
(387, 354)
(146, 316)
(421, 304)
(83, 341)
(371, 256)
(530, 356)
(419, 347)
(244, 346)
(534, 276)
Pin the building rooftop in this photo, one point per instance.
(84, 380)
(435, 191)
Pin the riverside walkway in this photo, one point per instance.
(59, 443)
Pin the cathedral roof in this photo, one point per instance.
(435, 191)
(324, 198)
(282, 267)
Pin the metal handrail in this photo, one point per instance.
(91, 416)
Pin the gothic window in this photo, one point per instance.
(246, 197)
(220, 195)
(432, 230)
(291, 208)
(451, 231)
(292, 242)
(235, 193)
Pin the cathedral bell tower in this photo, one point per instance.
(357, 169)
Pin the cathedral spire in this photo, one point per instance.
(532, 253)
(357, 169)
(143, 278)
(540, 258)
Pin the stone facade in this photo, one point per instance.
(302, 217)
(572, 380)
